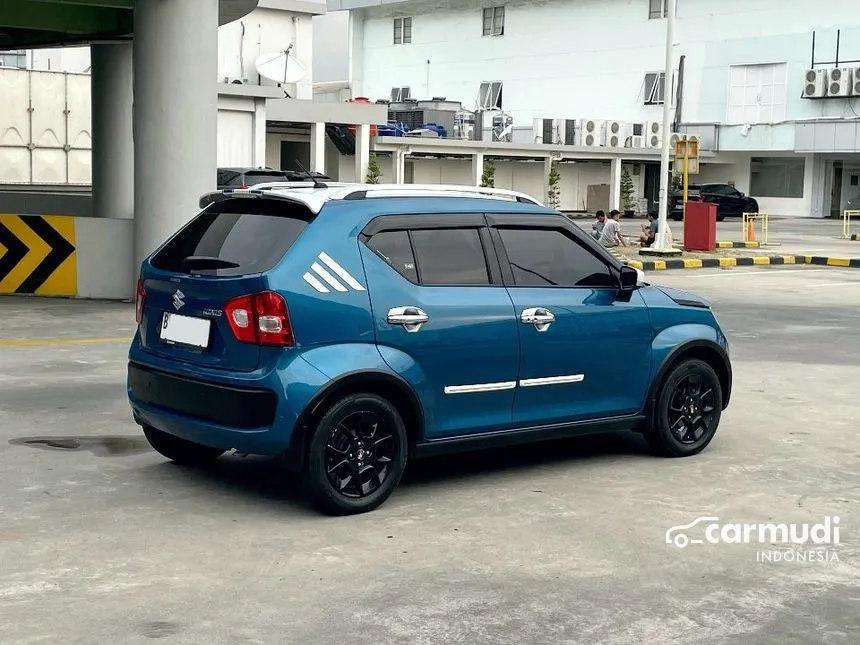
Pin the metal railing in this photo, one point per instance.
(748, 227)
(846, 223)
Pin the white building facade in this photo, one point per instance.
(46, 111)
(739, 82)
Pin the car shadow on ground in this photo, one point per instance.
(265, 479)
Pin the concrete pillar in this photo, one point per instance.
(477, 168)
(175, 115)
(318, 148)
(362, 152)
(259, 133)
(113, 143)
(615, 184)
(398, 164)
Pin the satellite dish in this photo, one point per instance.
(280, 67)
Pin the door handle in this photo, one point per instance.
(540, 317)
(412, 318)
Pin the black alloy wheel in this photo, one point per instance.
(359, 454)
(687, 411)
(356, 455)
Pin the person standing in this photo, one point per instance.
(611, 235)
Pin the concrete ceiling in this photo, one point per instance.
(28, 24)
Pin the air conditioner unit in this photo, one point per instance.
(653, 134)
(674, 138)
(591, 133)
(568, 131)
(856, 83)
(839, 81)
(546, 131)
(617, 133)
(636, 141)
(815, 84)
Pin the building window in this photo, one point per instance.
(658, 9)
(655, 88)
(756, 94)
(490, 96)
(14, 58)
(777, 176)
(399, 94)
(402, 31)
(494, 21)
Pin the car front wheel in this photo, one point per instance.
(687, 410)
(179, 450)
(356, 455)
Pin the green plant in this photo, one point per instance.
(488, 178)
(374, 174)
(554, 192)
(677, 182)
(627, 189)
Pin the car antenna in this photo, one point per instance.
(317, 182)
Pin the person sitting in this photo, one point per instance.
(611, 235)
(597, 226)
(649, 231)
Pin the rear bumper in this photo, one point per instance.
(207, 413)
(240, 408)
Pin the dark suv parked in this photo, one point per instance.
(730, 201)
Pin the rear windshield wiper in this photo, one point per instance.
(207, 262)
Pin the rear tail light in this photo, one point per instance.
(139, 301)
(260, 318)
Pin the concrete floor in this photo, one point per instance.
(102, 541)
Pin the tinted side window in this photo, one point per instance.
(718, 190)
(450, 257)
(548, 257)
(394, 247)
(253, 235)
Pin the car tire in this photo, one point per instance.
(179, 450)
(356, 455)
(686, 411)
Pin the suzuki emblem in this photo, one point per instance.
(178, 300)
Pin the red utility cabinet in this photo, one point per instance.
(700, 226)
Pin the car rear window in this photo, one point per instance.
(252, 234)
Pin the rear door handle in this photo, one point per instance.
(540, 317)
(412, 318)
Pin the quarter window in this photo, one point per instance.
(394, 247)
(450, 257)
(549, 258)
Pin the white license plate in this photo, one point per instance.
(185, 330)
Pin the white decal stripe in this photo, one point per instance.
(341, 272)
(480, 387)
(552, 380)
(316, 284)
(328, 277)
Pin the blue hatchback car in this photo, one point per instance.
(349, 329)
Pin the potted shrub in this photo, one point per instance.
(554, 192)
(627, 193)
(374, 172)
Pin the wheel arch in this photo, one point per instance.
(706, 350)
(390, 386)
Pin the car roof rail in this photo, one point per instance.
(364, 191)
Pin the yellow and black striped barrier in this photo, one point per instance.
(738, 245)
(38, 255)
(765, 260)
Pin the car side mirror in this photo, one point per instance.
(628, 278)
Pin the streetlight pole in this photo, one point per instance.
(662, 222)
